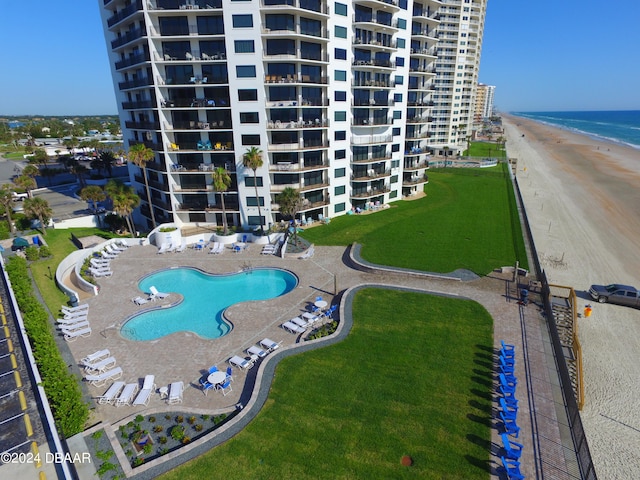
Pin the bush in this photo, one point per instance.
(177, 432)
(32, 253)
(45, 251)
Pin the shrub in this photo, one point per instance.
(45, 251)
(137, 462)
(32, 253)
(147, 449)
(139, 418)
(185, 440)
(162, 440)
(157, 428)
(152, 419)
(191, 420)
(198, 428)
(167, 417)
(179, 419)
(177, 432)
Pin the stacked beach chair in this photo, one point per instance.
(509, 411)
(74, 324)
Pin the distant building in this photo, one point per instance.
(484, 102)
(346, 100)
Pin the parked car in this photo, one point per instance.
(18, 197)
(616, 293)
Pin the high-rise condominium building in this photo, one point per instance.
(345, 100)
(484, 102)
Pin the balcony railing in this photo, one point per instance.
(142, 104)
(371, 122)
(137, 82)
(278, 125)
(415, 166)
(318, 7)
(304, 102)
(322, 33)
(380, 20)
(375, 43)
(306, 145)
(127, 37)
(370, 174)
(371, 139)
(370, 193)
(133, 60)
(371, 159)
(374, 63)
(296, 78)
(373, 83)
(124, 13)
(142, 125)
(183, 4)
(373, 103)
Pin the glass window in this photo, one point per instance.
(250, 139)
(244, 46)
(252, 202)
(339, 190)
(340, 154)
(340, 54)
(402, 4)
(249, 95)
(395, 147)
(278, 46)
(402, 24)
(174, 26)
(340, 75)
(340, 9)
(401, 43)
(209, 25)
(279, 22)
(394, 179)
(340, 135)
(242, 21)
(340, 172)
(396, 131)
(397, 114)
(248, 117)
(400, 61)
(340, 116)
(248, 181)
(340, 32)
(245, 71)
(254, 219)
(340, 96)
(397, 97)
(399, 80)
(339, 207)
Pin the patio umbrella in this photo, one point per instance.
(19, 243)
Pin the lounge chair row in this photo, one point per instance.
(271, 249)
(121, 393)
(75, 323)
(171, 248)
(217, 248)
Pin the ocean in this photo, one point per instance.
(622, 127)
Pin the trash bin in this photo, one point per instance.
(587, 311)
(524, 295)
(36, 240)
(74, 300)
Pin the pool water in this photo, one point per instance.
(206, 296)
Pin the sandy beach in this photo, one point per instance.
(582, 198)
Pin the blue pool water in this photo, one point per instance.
(205, 298)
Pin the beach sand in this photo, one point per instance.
(582, 197)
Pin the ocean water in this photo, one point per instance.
(622, 127)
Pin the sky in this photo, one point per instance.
(541, 56)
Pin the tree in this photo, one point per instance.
(31, 171)
(26, 183)
(40, 156)
(221, 183)
(140, 154)
(93, 194)
(79, 171)
(253, 159)
(124, 199)
(6, 200)
(70, 144)
(290, 202)
(38, 208)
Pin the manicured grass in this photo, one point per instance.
(467, 220)
(14, 155)
(411, 381)
(486, 149)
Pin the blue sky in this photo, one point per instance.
(541, 56)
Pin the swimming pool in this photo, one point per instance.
(206, 296)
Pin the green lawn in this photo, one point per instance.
(411, 381)
(486, 149)
(14, 155)
(467, 220)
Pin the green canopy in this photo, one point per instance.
(20, 242)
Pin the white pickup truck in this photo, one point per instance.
(18, 197)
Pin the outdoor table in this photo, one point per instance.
(217, 377)
(163, 391)
(321, 304)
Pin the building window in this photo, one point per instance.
(402, 4)
(340, 75)
(340, 96)
(397, 114)
(340, 9)
(255, 220)
(397, 97)
(340, 190)
(395, 131)
(402, 24)
(401, 43)
(395, 147)
(246, 71)
(400, 61)
(339, 207)
(394, 179)
(393, 194)
(249, 95)
(340, 54)
(340, 116)
(250, 139)
(252, 202)
(340, 154)
(340, 172)
(248, 181)
(249, 117)
(244, 46)
(242, 21)
(340, 135)
(340, 32)
(399, 80)
(395, 163)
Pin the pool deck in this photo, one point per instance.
(186, 357)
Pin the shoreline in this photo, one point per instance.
(582, 197)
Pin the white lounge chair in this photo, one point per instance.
(64, 322)
(292, 327)
(255, 350)
(79, 308)
(107, 255)
(243, 363)
(182, 247)
(122, 243)
(300, 322)
(269, 344)
(155, 293)
(310, 317)
(164, 248)
(100, 273)
(78, 314)
(74, 335)
(112, 250)
(309, 253)
(99, 263)
(101, 378)
(175, 393)
(96, 356)
(147, 389)
(104, 364)
(217, 248)
(116, 248)
(111, 394)
(269, 249)
(127, 394)
(140, 300)
(72, 327)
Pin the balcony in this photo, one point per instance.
(309, 6)
(393, 5)
(132, 60)
(303, 145)
(142, 125)
(373, 63)
(304, 102)
(139, 105)
(371, 139)
(412, 166)
(371, 159)
(411, 181)
(278, 125)
(184, 5)
(296, 167)
(297, 78)
(371, 122)
(377, 21)
(192, 56)
(369, 175)
(314, 186)
(374, 192)
(135, 83)
(309, 205)
(369, 42)
(369, 83)
(389, 102)
(321, 34)
(124, 13)
(127, 38)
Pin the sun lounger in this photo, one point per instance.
(96, 356)
(300, 322)
(217, 248)
(100, 273)
(111, 394)
(310, 317)
(269, 249)
(175, 393)
(112, 250)
(308, 254)
(140, 300)
(74, 335)
(243, 363)
(127, 394)
(101, 366)
(101, 378)
(255, 350)
(292, 327)
(122, 242)
(155, 293)
(79, 308)
(182, 247)
(64, 322)
(164, 248)
(72, 327)
(269, 344)
(108, 255)
(147, 389)
(78, 314)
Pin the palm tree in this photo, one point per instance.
(6, 200)
(38, 208)
(70, 144)
(140, 154)
(124, 199)
(93, 194)
(26, 183)
(253, 159)
(31, 171)
(79, 171)
(221, 183)
(290, 202)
